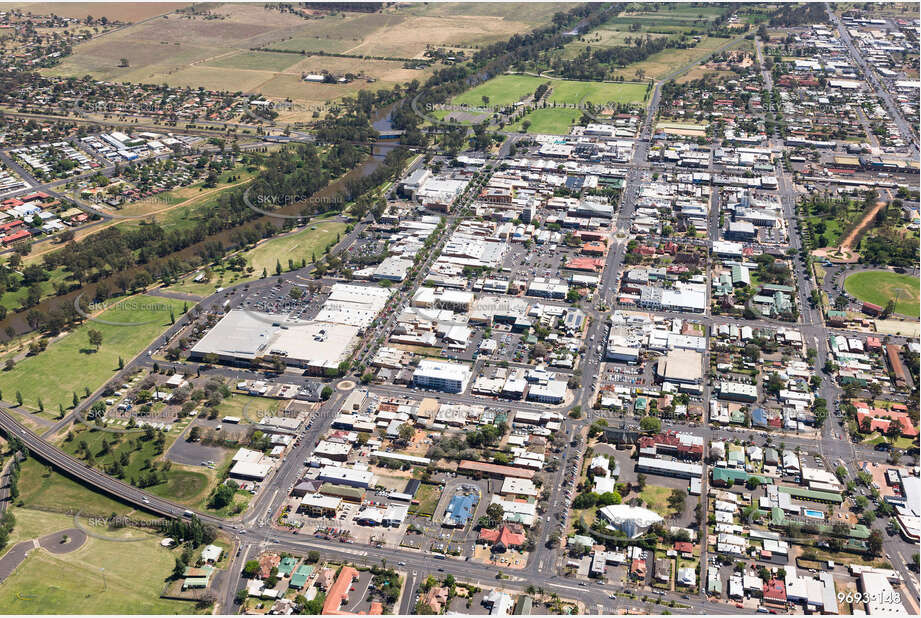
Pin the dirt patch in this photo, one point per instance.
(851, 239)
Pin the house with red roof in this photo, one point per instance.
(504, 537)
(267, 562)
(774, 591)
(15, 236)
(684, 548)
(645, 250)
(585, 263)
(880, 420)
(594, 248)
(339, 592)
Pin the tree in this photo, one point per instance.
(95, 338)
(676, 500)
(875, 543)
(495, 513)
(251, 568)
(650, 424)
(194, 434)
(326, 393)
(641, 481)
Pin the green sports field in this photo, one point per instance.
(549, 121)
(881, 286)
(599, 93)
(508, 89)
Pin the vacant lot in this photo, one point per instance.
(247, 407)
(881, 286)
(656, 499)
(71, 364)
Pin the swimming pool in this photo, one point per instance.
(813, 514)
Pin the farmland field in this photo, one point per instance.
(70, 363)
(880, 286)
(254, 61)
(185, 51)
(132, 12)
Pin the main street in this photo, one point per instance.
(253, 532)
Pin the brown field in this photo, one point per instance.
(700, 71)
(118, 11)
(409, 38)
(215, 53)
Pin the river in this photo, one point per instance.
(381, 122)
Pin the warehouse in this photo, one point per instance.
(250, 471)
(677, 469)
(347, 476)
(242, 337)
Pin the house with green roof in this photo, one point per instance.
(197, 577)
(286, 566)
(727, 477)
(301, 575)
(812, 495)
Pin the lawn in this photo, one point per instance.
(881, 286)
(656, 499)
(101, 577)
(42, 487)
(668, 60)
(71, 364)
(834, 228)
(427, 497)
(509, 89)
(550, 121)
(306, 244)
(15, 299)
(247, 407)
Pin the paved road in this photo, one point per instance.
(895, 113)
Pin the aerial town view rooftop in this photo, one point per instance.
(416, 308)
